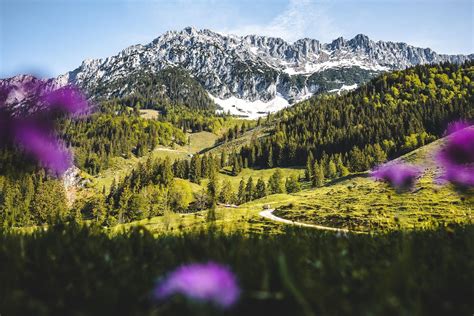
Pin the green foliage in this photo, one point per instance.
(227, 195)
(260, 189)
(275, 183)
(70, 270)
(389, 116)
(31, 199)
(292, 185)
(102, 136)
(318, 176)
(170, 87)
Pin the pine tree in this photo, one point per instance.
(331, 169)
(275, 184)
(123, 206)
(379, 155)
(226, 192)
(308, 173)
(167, 173)
(241, 194)
(260, 189)
(341, 169)
(49, 203)
(222, 163)
(236, 167)
(249, 190)
(212, 192)
(357, 160)
(195, 169)
(292, 185)
(270, 157)
(212, 187)
(318, 178)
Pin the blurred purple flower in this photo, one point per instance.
(400, 176)
(67, 99)
(459, 149)
(203, 282)
(47, 149)
(459, 176)
(29, 122)
(457, 158)
(456, 127)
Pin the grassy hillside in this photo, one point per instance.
(122, 166)
(355, 202)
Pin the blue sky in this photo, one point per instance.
(50, 37)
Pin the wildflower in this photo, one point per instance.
(400, 176)
(202, 282)
(67, 99)
(29, 122)
(457, 158)
(456, 127)
(46, 148)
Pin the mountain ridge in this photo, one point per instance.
(251, 75)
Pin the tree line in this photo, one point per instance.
(389, 116)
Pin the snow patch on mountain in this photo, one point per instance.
(344, 88)
(250, 109)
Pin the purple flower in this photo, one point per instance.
(459, 176)
(28, 112)
(457, 158)
(44, 147)
(456, 127)
(210, 282)
(67, 99)
(459, 149)
(400, 176)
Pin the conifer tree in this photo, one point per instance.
(241, 196)
(226, 192)
(236, 167)
(318, 178)
(308, 173)
(331, 169)
(270, 157)
(292, 185)
(249, 190)
(341, 169)
(260, 189)
(275, 184)
(195, 169)
(167, 173)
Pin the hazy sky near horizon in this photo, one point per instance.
(51, 37)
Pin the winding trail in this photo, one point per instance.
(269, 215)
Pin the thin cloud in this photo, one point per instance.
(300, 19)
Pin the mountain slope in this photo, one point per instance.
(239, 72)
(360, 203)
(387, 117)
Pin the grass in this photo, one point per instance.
(149, 114)
(122, 166)
(265, 174)
(74, 270)
(355, 202)
(362, 204)
(359, 203)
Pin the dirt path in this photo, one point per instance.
(269, 215)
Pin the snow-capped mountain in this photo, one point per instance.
(250, 75)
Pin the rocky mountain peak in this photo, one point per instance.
(253, 73)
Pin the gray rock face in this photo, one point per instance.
(252, 67)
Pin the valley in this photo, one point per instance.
(206, 173)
